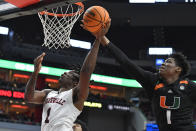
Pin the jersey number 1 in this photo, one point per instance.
(48, 114)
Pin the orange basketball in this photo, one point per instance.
(94, 17)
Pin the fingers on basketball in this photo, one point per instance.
(94, 18)
(108, 23)
(82, 25)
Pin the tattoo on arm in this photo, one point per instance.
(30, 87)
(90, 60)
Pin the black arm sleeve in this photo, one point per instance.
(145, 78)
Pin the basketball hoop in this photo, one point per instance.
(58, 23)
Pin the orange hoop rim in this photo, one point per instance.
(62, 15)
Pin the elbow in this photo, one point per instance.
(82, 97)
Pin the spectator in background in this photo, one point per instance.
(79, 126)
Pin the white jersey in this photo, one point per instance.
(59, 112)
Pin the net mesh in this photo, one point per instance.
(58, 23)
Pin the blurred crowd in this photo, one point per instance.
(29, 119)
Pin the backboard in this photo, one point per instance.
(16, 8)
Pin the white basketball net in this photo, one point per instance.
(57, 29)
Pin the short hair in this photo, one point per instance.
(76, 76)
(76, 72)
(83, 125)
(182, 62)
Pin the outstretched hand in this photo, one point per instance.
(38, 63)
(101, 32)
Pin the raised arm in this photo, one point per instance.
(32, 95)
(88, 68)
(131, 68)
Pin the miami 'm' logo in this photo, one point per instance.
(176, 103)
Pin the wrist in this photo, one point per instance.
(98, 39)
(105, 41)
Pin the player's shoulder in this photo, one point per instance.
(47, 91)
(189, 83)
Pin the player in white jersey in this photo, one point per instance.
(61, 108)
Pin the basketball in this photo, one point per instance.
(94, 17)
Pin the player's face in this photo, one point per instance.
(168, 68)
(66, 79)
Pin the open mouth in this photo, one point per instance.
(161, 69)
